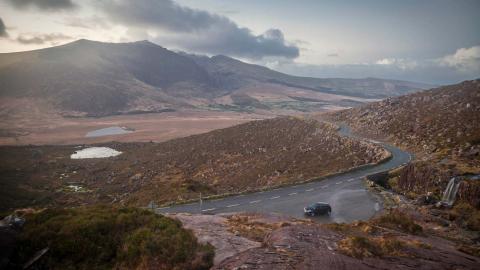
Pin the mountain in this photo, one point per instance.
(229, 71)
(89, 78)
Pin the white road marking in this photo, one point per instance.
(232, 205)
(257, 201)
(273, 198)
(324, 186)
(210, 209)
(311, 189)
(293, 193)
(338, 183)
(350, 180)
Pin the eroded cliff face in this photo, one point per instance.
(469, 191)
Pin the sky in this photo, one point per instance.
(431, 41)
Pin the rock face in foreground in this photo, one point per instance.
(313, 247)
(393, 241)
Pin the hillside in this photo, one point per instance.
(254, 155)
(441, 126)
(428, 122)
(89, 78)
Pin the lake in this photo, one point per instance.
(108, 131)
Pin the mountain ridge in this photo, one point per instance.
(92, 78)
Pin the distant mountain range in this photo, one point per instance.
(89, 78)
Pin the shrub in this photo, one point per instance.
(360, 247)
(466, 215)
(102, 237)
(396, 219)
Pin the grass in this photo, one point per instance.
(398, 220)
(466, 215)
(253, 230)
(361, 247)
(103, 237)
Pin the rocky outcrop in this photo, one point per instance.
(316, 247)
(421, 178)
(469, 191)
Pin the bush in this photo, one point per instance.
(396, 219)
(466, 215)
(360, 247)
(104, 238)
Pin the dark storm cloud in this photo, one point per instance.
(3, 30)
(41, 39)
(43, 4)
(199, 30)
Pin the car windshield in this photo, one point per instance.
(317, 205)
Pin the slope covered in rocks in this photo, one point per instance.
(441, 126)
(249, 156)
(427, 122)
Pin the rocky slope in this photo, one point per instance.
(249, 156)
(442, 126)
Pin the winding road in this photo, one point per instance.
(346, 193)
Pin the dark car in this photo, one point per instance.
(319, 208)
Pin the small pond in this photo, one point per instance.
(108, 131)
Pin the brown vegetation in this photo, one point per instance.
(255, 155)
(441, 126)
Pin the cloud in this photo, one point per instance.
(42, 38)
(464, 59)
(398, 62)
(463, 64)
(3, 29)
(197, 30)
(49, 5)
(92, 22)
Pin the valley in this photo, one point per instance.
(140, 157)
(255, 155)
(88, 84)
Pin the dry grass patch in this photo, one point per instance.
(249, 228)
(395, 219)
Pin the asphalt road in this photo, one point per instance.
(346, 193)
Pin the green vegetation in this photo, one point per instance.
(395, 219)
(102, 237)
